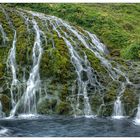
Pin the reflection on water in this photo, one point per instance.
(68, 126)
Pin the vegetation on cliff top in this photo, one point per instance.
(117, 25)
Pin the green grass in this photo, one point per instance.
(116, 25)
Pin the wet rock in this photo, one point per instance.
(84, 75)
(6, 103)
(47, 106)
(63, 108)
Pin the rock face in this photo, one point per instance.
(48, 66)
(5, 101)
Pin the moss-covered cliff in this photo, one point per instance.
(59, 83)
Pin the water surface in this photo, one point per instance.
(62, 126)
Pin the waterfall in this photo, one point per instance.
(82, 68)
(82, 65)
(82, 85)
(3, 34)
(2, 114)
(137, 118)
(87, 75)
(118, 110)
(28, 100)
(0, 109)
(11, 62)
(97, 48)
(33, 82)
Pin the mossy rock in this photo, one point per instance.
(1, 70)
(115, 53)
(106, 110)
(110, 95)
(95, 101)
(63, 108)
(130, 100)
(6, 103)
(47, 106)
(57, 62)
(64, 93)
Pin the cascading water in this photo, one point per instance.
(3, 34)
(12, 64)
(33, 82)
(11, 61)
(118, 111)
(82, 85)
(2, 114)
(78, 63)
(99, 50)
(137, 118)
(28, 99)
(87, 76)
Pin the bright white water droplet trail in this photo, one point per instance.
(28, 100)
(3, 34)
(118, 110)
(137, 118)
(2, 114)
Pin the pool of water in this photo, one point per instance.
(62, 126)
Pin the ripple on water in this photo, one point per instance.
(35, 126)
(4, 132)
(136, 121)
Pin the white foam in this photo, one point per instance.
(27, 116)
(137, 121)
(118, 117)
(89, 116)
(4, 132)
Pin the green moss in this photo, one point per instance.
(110, 96)
(7, 28)
(95, 62)
(130, 100)
(56, 61)
(64, 94)
(111, 93)
(100, 70)
(5, 103)
(1, 70)
(47, 106)
(24, 43)
(96, 101)
(128, 27)
(63, 108)
(3, 59)
(106, 110)
(56, 65)
(115, 24)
